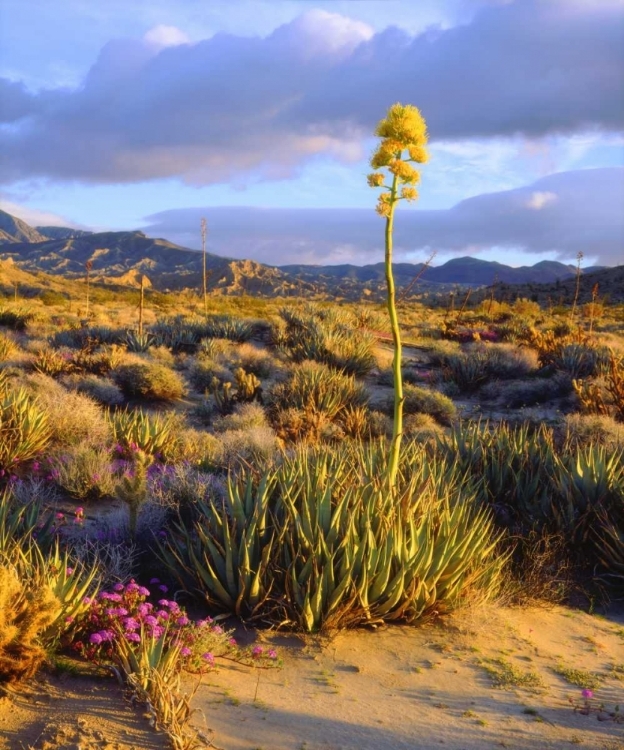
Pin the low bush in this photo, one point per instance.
(152, 382)
(74, 418)
(102, 390)
(521, 393)
(426, 401)
(84, 473)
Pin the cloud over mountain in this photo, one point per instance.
(230, 105)
(564, 213)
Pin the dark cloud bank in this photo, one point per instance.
(565, 213)
(230, 105)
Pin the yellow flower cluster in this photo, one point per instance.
(403, 128)
(384, 205)
(375, 179)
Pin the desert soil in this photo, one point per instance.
(390, 688)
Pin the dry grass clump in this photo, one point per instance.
(580, 430)
(244, 417)
(149, 381)
(421, 427)
(84, 472)
(75, 418)
(102, 390)
(254, 446)
(426, 401)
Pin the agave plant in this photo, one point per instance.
(139, 342)
(24, 428)
(322, 542)
(584, 483)
(227, 552)
(20, 522)
(151, 433)
(356, 552)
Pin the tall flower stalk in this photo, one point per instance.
(403, 134)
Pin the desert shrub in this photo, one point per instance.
(311, 403)
(52, 362)
(507, 362)
(295, 541)
(467, 370)
(534, 486)
(421, 427)
(315, 387)
(181, 486)
(139, 342)
(21, 518)
(102, 390)
(203, 372)
(604, 395)
(40, 598)
(155, 434)
(471, 369)
(255, 446)
(25, 430)
(580, 430)
(87, 337)
(245, 416)
(152, 382)
(50, 298)
(74, 418)
(84, 472)
(526, 308)
(426, 401)
(327, 336)
(213, 348)
(259, 362)
(198, 447)
(580, 360)
(515, 395)
(25, 612)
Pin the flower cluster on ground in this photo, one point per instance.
(137, 615)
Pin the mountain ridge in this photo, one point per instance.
(122, 257)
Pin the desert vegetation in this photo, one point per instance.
(240, 461)
(296, 464)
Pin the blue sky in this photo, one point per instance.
(117, 115)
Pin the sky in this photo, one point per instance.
(260, 114)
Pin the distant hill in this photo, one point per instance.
(14, 230)
(62, 233)
(122, 257)
(610, 283)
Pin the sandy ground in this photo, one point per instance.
(393, 688)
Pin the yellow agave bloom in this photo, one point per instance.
(403, 125)
(403, 129)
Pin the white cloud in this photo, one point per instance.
(166, 36)
(539, 200)
(585, 217)
(36, 217)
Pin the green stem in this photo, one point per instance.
(397, 428)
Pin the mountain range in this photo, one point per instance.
(122, 257)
